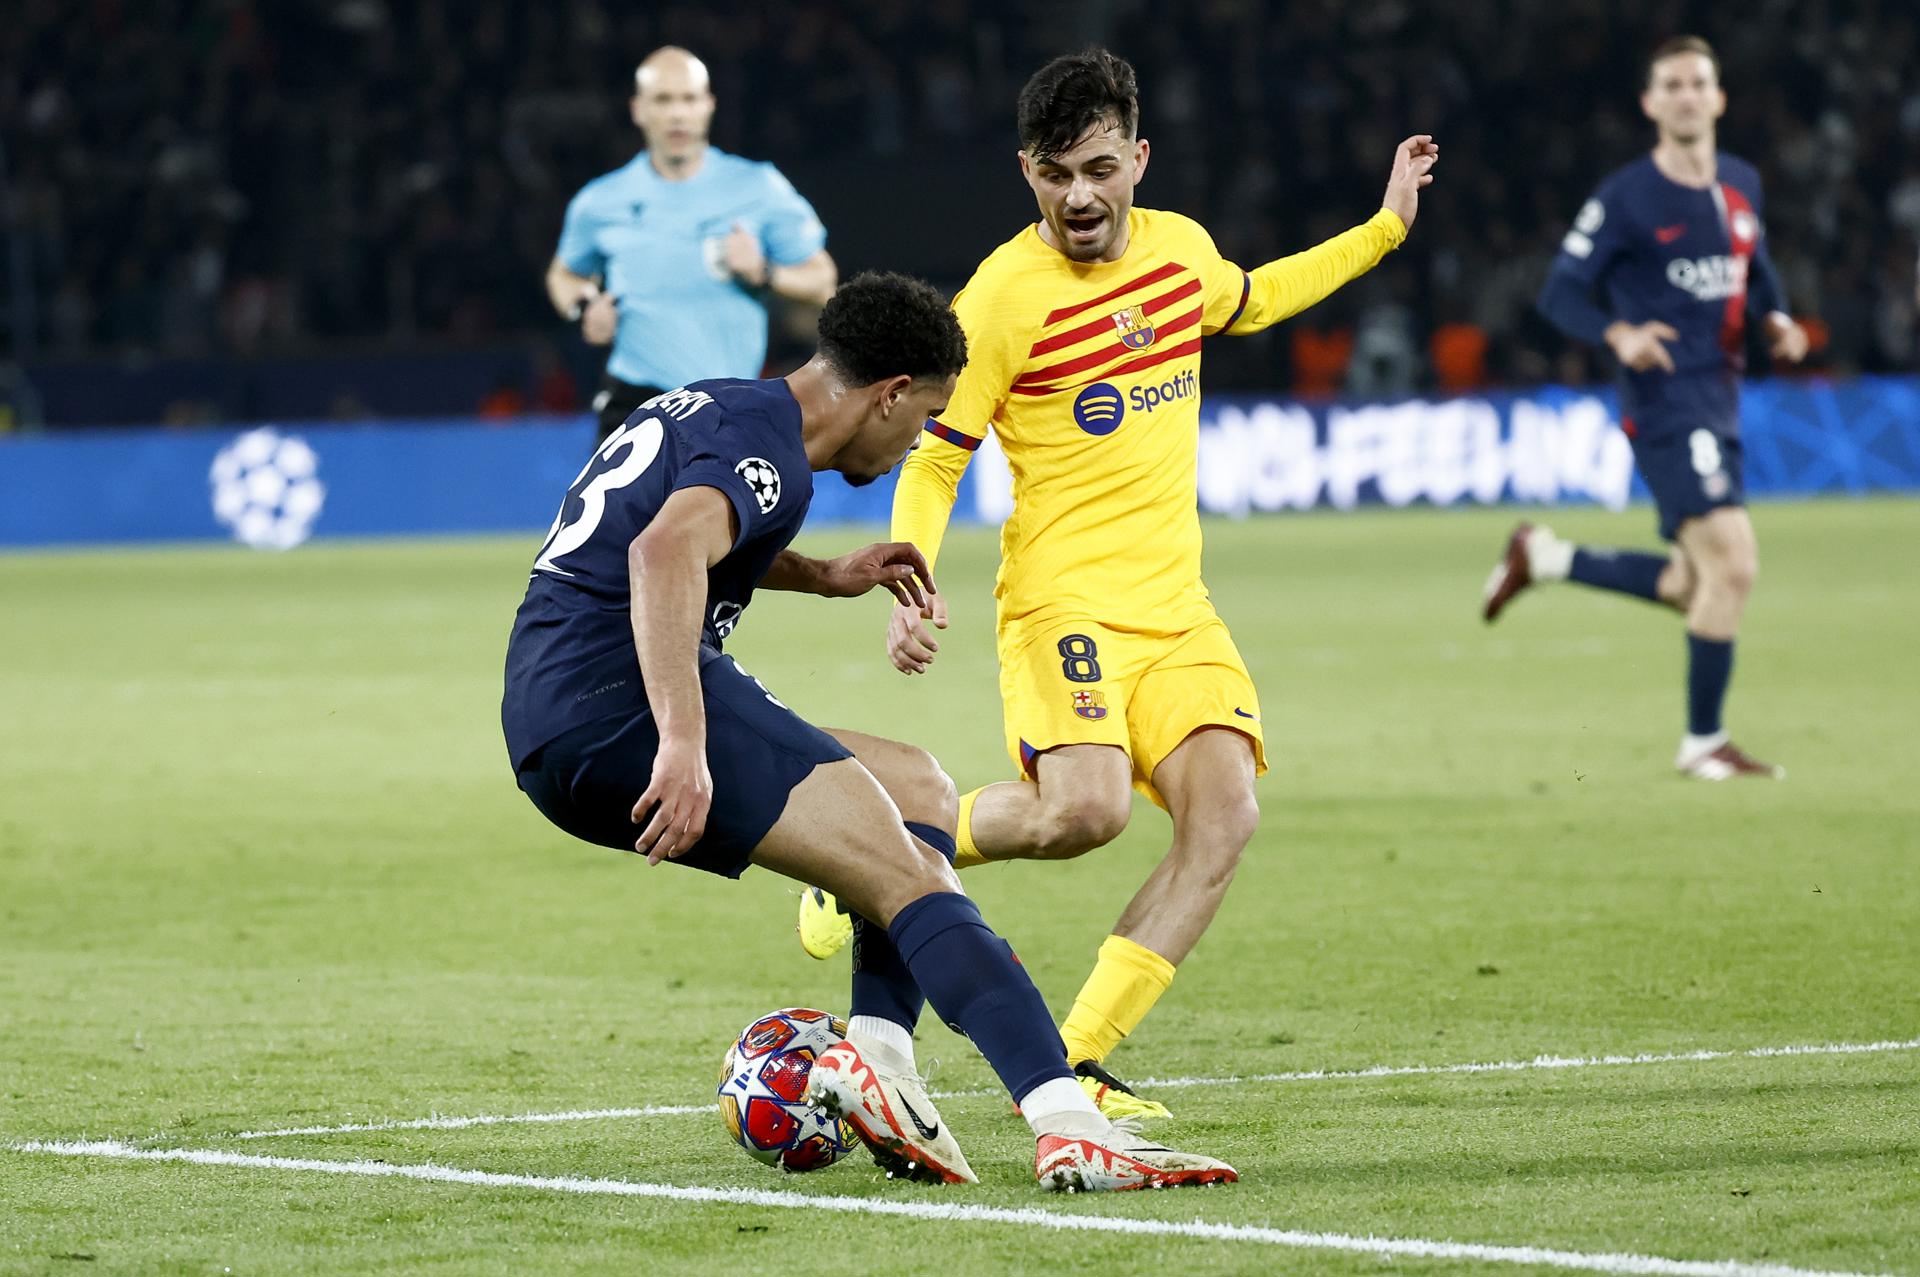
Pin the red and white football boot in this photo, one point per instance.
(1511, 575)
(1725, 761)
(1121, 1160)
(891, 1113)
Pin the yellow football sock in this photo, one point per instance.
(965, 854)
(1126, 981)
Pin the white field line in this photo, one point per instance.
(1396, 1247)
(1542, 1062)
(484, 1119)
(1310, 1075)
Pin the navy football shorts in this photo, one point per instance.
(1690, 472)
(587, 780)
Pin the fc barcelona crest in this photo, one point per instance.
(1135, 332)
(1092, 704)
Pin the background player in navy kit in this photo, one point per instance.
(668, 257)
(1663, 264)
(627, 726)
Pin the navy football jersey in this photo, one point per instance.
(571, 659)
(1648, 248)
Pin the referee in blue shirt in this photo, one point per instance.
(670, 257)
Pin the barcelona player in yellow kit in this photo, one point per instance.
(1084, 334)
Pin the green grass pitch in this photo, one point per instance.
(262, 865)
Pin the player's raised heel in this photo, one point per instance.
(1121, 1161)
(824, 926)
(891, 1113)
(1512, 574)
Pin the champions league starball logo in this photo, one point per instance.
(762, 480)
(266, 488)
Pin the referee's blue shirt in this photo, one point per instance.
(683, 317)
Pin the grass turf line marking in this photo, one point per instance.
(484, 1119)
(1310, 1075)
(1032, 1217)
(1544, 1062)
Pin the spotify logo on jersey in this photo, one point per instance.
(1098, 409)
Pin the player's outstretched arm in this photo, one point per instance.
(896, 566)
(667, 581)
(1283, 288)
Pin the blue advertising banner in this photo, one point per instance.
(273, 486)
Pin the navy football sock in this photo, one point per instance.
(1709, 670)
(882, 985)
(934, 836)
(1632, 572)
(980, 989)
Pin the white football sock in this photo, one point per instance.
(1061, 1107)
(1548, 557)
(1692, 747)
(873, 1030)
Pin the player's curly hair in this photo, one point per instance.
(880, 325)
(1074, 93)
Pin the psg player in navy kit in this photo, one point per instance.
(629, 727)
(1664, 264)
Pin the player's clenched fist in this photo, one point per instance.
(910, 645)
(600, 319)
(679, 798)
(1413, 162)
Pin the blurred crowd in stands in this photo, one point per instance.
(186, 177)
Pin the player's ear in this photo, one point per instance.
(892, 391)
(1140, 149)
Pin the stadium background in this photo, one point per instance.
(1489, 975)
(193, 188)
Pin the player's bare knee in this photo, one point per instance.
(1078, 824)
(1739, 573)
(939, 796)
(1238, 820)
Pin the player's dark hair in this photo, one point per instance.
(880, 325)
(1074, 94)
(1678, 45)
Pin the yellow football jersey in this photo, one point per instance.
(1089, 375)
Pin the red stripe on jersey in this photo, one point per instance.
(1151, 277)
(1074, 336)
(1733, 320)
(1160, 357)
(958, 439)
(1115, 350)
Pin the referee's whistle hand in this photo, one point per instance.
(602, 316)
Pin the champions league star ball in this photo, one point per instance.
(763, 1091)
(267, 489)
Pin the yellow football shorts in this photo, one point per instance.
(1077, 682)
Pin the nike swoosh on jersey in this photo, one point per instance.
(1668, 234)
(926, 1132)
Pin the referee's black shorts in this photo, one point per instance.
(616, 401)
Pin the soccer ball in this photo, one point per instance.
(763, 1091)
(265, 488)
